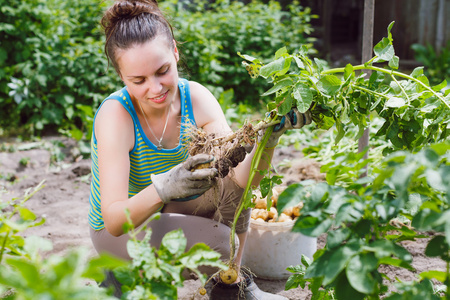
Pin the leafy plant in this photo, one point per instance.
(366, 221)
(211, 33)
(156, 273)
(415, 113)
(436, 63)
(25, 274)
(56, 72)
(15, 218)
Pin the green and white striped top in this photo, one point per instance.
(145, 158)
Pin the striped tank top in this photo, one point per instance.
(145, 158)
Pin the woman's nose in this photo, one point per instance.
(155, 86)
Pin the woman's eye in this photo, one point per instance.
(139, 82)
(164, 71)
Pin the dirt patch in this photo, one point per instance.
(64, 203)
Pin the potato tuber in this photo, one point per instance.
(229, 276)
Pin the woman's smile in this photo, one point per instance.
(160, 99)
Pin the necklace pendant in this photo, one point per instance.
(159, 147)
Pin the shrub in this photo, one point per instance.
(53, 66)
(212, 35)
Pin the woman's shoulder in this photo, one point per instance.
(199, 93)
(112, 114)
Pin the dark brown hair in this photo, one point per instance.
(133, 22)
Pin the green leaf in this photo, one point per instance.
(394, 62)
(438, 247)
(249, 58)
(417, 72)
(321, 64)
(285, 103)
(433, 274)
(331, 263)
(312, 226)
(304, 97)
(299, 62)
(344, 290)
(164, 291)
(285, 82)
(395, 102)
(329, 84)
(174, 242)
(337, 237)
(384, 50)
(281, 52)
(26, 214)
(202, 254)
(348, 71)
(96, 266)
(291, 196)
(277, 67)
(28, 270)
(359, 273)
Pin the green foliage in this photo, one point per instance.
(151, 274)
(437, 64)
(414, 112)
(25, 274)
(53, 70)
(367, 220)
(15, 218)
(156, 273)
(211, 35)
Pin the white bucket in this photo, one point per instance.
(272, 247)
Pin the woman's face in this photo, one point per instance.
(150, 72)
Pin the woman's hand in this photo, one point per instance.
(292, 120)
(184, 182)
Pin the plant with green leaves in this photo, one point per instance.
(26, 274)
(157, 273)
(15, 218)
(52, 67)
(415, 114)
(366, 222)
(436, 62)
(211, 33)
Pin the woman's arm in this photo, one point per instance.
(209, 116)
(115, 138)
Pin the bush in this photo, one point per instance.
(212, 35)
(437, 64)
(53, 66)
(54, 74)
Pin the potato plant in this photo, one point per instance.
(415, 114)
(28, 271)
(406, 197)
(26, 274)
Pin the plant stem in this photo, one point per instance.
(243, 202)
(369, 91)
(399, 85)
(4, 245)
(391, 72)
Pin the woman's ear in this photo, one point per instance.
(175, 51)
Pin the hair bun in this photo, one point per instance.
(130, 8)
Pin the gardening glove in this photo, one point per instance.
(292, 120)
(184, 182)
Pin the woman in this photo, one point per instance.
(139, 145)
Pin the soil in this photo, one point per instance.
(63, 201)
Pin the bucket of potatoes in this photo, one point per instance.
(271, 246)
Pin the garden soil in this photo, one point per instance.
(63, 201)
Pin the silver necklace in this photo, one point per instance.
(159, 146)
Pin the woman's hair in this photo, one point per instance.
(132, 22)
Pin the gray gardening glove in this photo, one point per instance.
(292, 120)
(182, 184)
